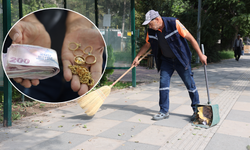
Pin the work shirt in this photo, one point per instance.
(174, 37)
(165, 49)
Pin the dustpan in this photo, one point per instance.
(207, 114)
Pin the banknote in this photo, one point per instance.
(30, 62)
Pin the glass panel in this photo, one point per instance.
(14, 11)
(86, 8)
(115, 25)
(34, 5)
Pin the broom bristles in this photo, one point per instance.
(94, 108)
(94, 100)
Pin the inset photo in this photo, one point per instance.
(54, 55)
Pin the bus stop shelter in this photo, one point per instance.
(114, 18)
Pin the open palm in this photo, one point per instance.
(85, 37)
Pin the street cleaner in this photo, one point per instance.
(167, 38)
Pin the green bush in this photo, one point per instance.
(123, 55)
(226, 54)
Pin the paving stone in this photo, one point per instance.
(244, 106)
(227, 142)
(103, 111)
(65, 125)
(174, 120)
(125, 117)
(124, 131)
(142, 105)
(99, 143)
(238, 115)
(94, 127)
(184, 110)
(11, 133)
(29, 139)
(244, 98)
(64, 141)
(122, 102)
(179, 99)
(138, 96)
(172, 106)
(137, 146)
(155, 135)
(235, 128)
(68, 110)
(144, 117)
(120, 114)
(110, 99)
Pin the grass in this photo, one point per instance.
(222, 54)
(118, 85)
(16, 116)
(226, 54)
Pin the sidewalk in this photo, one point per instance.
(124, 120)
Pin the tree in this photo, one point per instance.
(221, 20)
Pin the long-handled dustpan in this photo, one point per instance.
(207, 115)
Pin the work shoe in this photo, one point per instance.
(193, 117)
(160, 116)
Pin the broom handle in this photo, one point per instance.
(130, 68)
(205, 71)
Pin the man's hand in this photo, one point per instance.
(29, 31)
(190, 38)
(143, 50)
(80, 31)
(135, 62)
(203, 59)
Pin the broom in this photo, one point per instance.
(94, 100)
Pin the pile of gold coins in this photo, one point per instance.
(82, 72)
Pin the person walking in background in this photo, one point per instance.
(167, 38)
(237, 47)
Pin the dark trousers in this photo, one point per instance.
(168, 66)
(237, 53)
